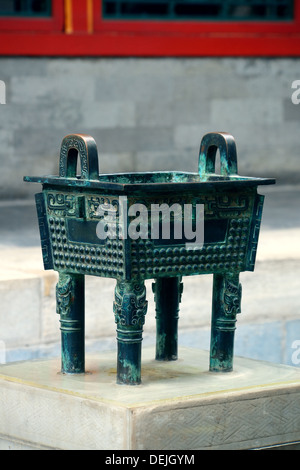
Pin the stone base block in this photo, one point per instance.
(180, 405)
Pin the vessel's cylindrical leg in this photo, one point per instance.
(130, 308)
(225, 305)
(70, 306)
(167, 296)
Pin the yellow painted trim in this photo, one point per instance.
(68, 17)
(90, 16)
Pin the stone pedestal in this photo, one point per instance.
(180, 405)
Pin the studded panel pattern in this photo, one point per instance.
(84, 258)
(150, 261)
(72, 220)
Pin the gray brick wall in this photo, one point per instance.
(147, 114)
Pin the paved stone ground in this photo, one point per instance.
(268, 327)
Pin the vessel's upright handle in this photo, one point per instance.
(210, 143)
(84, 146)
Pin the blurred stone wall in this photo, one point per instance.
(147, 114)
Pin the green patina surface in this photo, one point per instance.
(70, 208)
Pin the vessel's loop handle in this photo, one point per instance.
(207, 156)
(84, 146)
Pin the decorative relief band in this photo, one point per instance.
(64, 294)
(232, 295)
(130, 305)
